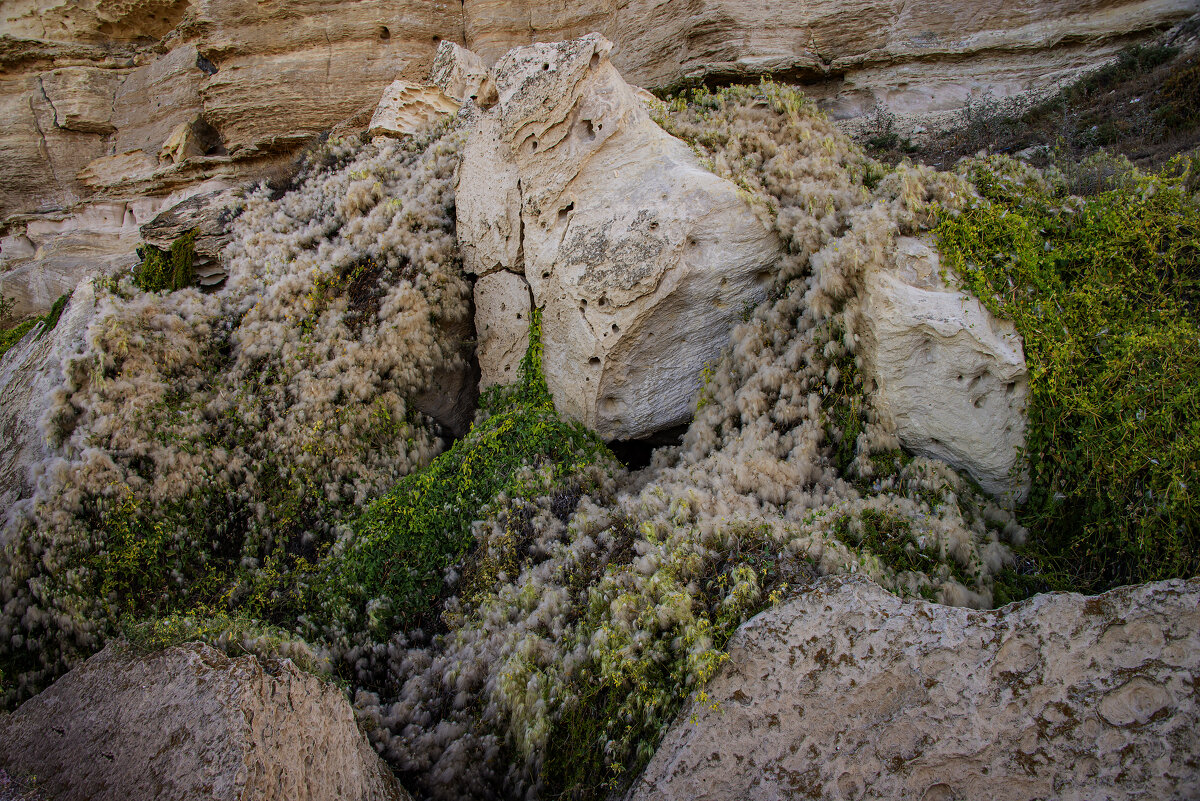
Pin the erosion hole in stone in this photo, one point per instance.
(565, 210)
(604, 301)
(960, 377)
(594, 61)
(594, 361)
(1010, 387)
(654, 225)
(533, 144)
(583, 304)
(383, 32)
(589, 130)
(546, 274)
(545, 66)
(978, 402)
(519, 316)
(616, 328)
(763, 277)
(636, 453)
(974, 383)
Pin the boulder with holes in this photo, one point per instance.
(640, 258)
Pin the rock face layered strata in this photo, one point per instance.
(123, 103)
(641, 259)
(191, 723)
(850, 692)
(951, 375)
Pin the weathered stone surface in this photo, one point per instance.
(406, 109)
(29, 372)
(914, 56)
(462, 75)
(502, 326)
(154, 99)
(849, 692)
(82, 98)
(640, 258)
(950, 374)
(46, 256)
(191, 723)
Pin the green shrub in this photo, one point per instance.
(1104, 291)
(392, 570)
(167, 270)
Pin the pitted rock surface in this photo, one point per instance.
(189, 723)
(849, 692)
(641, 259)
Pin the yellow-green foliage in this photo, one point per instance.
(1106, 293)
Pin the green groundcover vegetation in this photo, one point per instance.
(1104, 291)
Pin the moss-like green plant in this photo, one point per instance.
(392, 570)
(167, 270)
(1105, 292)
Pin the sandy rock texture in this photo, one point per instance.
(849, 692)
(641, 259)
(951, 375)
(191, 723)
(29, 372)
(915, 56)
(128, 101)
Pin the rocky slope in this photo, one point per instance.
(118, 111)
(849, 692)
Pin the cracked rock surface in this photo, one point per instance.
(849, 692)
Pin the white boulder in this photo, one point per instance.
(640, 258)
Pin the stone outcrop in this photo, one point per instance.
(124, 102)
(916, 57)
(406, 108)
(950, 374)
(640, 258)
(191, 723)
(849, 692)
(29, 372)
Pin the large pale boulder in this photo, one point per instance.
(849, 692)
(641, 259)
(29, 372)
(950, 374)
(190, 723)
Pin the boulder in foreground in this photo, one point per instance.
(849, 692)
(191, 723)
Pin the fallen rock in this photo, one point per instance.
(849, 692)
(407, 108)
(951, 375)
(29, 372)
(191, 723)
(641, 259)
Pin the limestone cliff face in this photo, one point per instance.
(116, 110)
